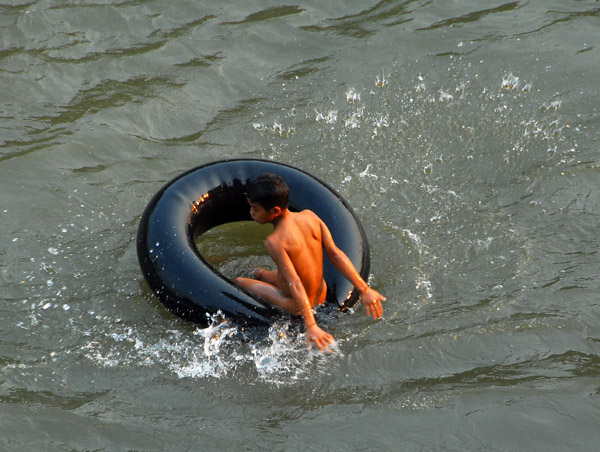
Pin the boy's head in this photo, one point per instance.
(269, 190)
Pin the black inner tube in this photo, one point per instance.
(214, 194)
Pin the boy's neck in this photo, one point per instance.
(283, 215)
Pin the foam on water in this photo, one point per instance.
(221, 350)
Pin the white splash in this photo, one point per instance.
(510, 82)
(329, 118)
(213, 352)
(352, 96)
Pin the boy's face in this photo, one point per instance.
(260, 214)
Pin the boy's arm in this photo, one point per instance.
(286, 269)
(370, 297)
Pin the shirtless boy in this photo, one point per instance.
(296, 246)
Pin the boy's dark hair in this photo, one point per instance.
(269, 190)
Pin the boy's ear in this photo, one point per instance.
(276, 210)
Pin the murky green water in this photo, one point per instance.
(465, 136)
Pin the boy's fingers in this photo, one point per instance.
(322, 344)
(319, 346)
(317, 343)
(374, 309)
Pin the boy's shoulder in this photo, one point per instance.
(304, 220)
(308, 214)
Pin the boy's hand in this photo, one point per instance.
(321, 338)
(372, 301)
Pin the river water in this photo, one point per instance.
(465, 136)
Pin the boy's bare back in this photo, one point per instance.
(299, 236)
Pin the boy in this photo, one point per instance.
(296, 246)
